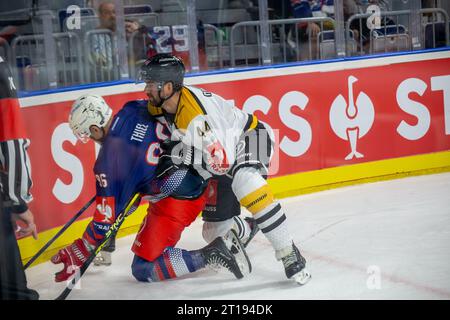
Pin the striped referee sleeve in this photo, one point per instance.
(15, 173)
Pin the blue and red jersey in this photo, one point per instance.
(126, 164)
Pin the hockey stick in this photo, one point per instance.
(133, 204)
(67, 225)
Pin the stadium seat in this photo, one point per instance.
(435, 36)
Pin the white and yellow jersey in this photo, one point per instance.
(209, 123)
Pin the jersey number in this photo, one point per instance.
(101, 178)
(179, 34)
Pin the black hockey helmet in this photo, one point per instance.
(163, 68)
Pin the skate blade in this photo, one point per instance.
(237, 249)
(302, 277)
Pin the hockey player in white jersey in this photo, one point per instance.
(227, 144)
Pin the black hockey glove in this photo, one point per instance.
(175, 155)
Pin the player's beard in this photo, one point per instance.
(155, 101)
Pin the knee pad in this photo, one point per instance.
(252, 190)
(212, 230)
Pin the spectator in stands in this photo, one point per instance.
(102, 54)
(144, 44)
(307, 32)
(302, 9)
(302, 40)
(107, 16)
(350, 8)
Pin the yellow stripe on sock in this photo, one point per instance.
(258, 200)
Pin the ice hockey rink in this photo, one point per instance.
(383, 240)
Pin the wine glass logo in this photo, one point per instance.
(352, 120)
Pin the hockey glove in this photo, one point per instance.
(175, 155)
(73, 257)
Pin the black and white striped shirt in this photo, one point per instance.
(15, 174)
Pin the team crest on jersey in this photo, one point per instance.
(105, 209)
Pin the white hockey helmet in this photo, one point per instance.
(88, 110)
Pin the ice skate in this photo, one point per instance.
(294, 266)
(238, 250)
(103, 259)
(218, 254)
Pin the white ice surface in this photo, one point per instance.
(385, 240)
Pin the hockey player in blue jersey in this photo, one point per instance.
(128, 163)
